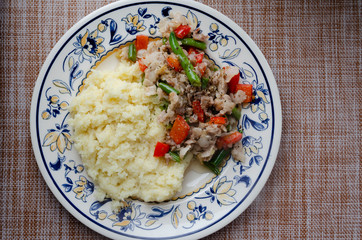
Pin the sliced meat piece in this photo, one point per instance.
(205, 141)
(166, 117)
(207, 154)
(199, 36)
(184, 151)
(218, 80)
(195, 133)
(238, 151)
(149, 91)
(239, 97)
(206, 103)
(177, 103)
(213, 129)
(141, 53)
(224, 105)
(156, 66)
(193, 118)
(190, 142)
(168, 158)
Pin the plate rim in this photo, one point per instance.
(259, 58)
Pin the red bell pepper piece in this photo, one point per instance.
(233, 83)
(191, 50)
(179, 130)
(196, 106)
(161, 149)
(174, 63)
(199, 57)
(247, 89)
(228, 140)
(141, 42)
(141, 65)
(182, 31)
(218, 120)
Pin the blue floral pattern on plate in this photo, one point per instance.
(81, 52)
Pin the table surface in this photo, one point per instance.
(314, 51)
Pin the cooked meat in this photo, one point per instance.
(151, 91)
(156, 66)
(237, 152)
(193, 118)
(197, 106)
(206, 155)
(197, 35)
(195, 133)
(167, 117)
(239, 97)
(168, 158)
(224, 105)
(206, 102)
(184, 151)
(218, 80)
(177, 104)
(205, 141)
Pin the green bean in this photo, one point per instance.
(216, 160)
(132, 53)
(175, 156)
(236, 113)
(167, 88)
(187, 119)
(193, 43)
(185, 62)
(204, 83)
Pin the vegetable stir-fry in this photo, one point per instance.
(200, 102)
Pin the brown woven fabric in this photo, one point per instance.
(314, 50)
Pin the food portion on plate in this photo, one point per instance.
(115, 131)
(138, 127)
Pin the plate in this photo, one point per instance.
(208, 202)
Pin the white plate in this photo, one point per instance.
(206, 205)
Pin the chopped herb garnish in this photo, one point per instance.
(164, 104)
(187, 119)
(204, 83)
(164, 40)
(169, 126)
(175, 156)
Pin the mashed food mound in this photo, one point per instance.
(115, 132)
